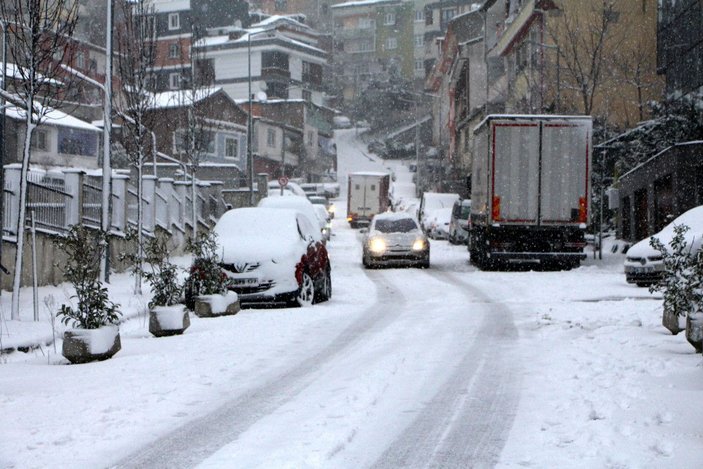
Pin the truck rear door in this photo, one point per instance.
(564, 179)
(515, 172)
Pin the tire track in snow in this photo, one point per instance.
(198, 439)
(467, 422)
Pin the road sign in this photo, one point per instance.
(283, 181)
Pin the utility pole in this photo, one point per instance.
(3, 87)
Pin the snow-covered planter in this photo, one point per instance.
(168, 320)
(694, 330)
(208, 306)
(674, 322)
(87, 345)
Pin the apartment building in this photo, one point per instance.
(373, 41)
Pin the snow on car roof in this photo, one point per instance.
(256, 222)
(693, 218)
(393, 216)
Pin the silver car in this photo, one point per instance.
(395, 239)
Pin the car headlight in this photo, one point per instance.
(377, 245)
(419, 245)
(331, 209)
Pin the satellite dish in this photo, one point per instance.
(261, 96)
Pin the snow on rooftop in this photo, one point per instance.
(359, 3)
(178, 98)
(53, 117)
(271, 20)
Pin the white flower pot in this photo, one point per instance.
(168, 320)
(694, 330)
(208, 306)
(87, 345)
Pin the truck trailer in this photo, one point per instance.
(530, 190)
(367, 195)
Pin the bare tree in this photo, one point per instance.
(583, 34)
(38, 45)
(136, 39)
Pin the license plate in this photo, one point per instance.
(245, 282)
(644, 270)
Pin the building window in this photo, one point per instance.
(419, 65)
(203, 142)
(390, 19)
(428, 16)
(448, 14)
(174, 51)
(391, 43)
(231, 147)
(419, 15)
(366, 23)
(281, 5)
(77, 142)
(311, 138)
(80, 60)
(271, 138)
(174, 81)
(419, 40)
(40, 140)
(307, 95)
(174, 21)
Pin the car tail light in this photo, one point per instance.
(583, 214)
(299, 272)
(495, 212)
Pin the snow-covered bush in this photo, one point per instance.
(83, 248)
(205, 276)
(682, 285)
(162, 275)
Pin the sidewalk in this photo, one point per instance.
(26, 333)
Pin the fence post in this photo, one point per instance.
(119, 201)
(149, 207)
(74, 185)
(13, 174)
(166, 188)
(180, 188)
(216, 193)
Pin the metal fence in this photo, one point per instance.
(92, 201)
(47, 198)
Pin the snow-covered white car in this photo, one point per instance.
(273, 256)
(324, 217)
(291, 188)
(431, 201)
(459, 223)
(301, 204)
(438, 223)
(395, 238)
(644, 265)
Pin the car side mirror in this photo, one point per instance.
(364, 230)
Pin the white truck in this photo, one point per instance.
(367, 195)
(530, 190)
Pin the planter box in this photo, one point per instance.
(694, 330)
(673, 322)
(208, 306)
(87, 345)
(168, 320)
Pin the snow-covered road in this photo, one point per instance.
(445, 367)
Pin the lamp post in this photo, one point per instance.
(250, 155)
(105, 219)
(3, 87)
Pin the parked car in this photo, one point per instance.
(292, 188)
(644, 265)
(431, 201)
(301, 204)
(324, 201)
(439, 223)
(376, 146)
(459, 223)
(341, 122)
(324, 217)
(273, 256)
(395, 238)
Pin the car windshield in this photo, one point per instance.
(402, 225)
(465, 211)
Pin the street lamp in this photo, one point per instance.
(250, 155)
(3, 87)
(107, 172)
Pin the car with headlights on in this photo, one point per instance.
(273, 256)
(644, 265)
(395, 239)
